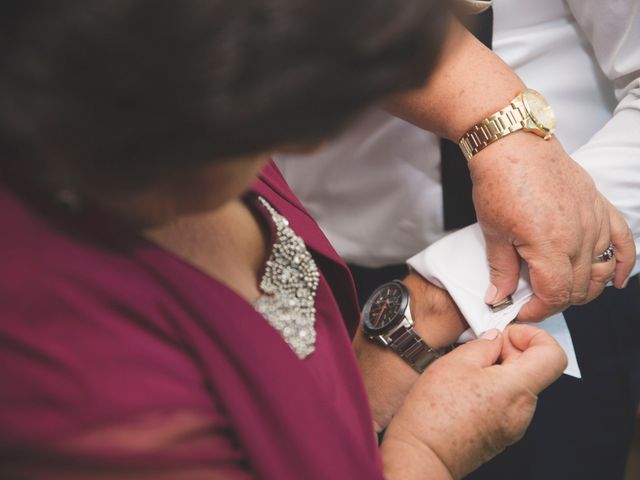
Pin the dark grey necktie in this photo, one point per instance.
(456, 182)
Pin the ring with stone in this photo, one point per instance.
(607, 255)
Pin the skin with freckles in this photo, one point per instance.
(440, 424)
(532, 200)
(387, 378)
(557, 226)
(467, 408)
(193, 208)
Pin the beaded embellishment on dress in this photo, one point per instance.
(289, 287)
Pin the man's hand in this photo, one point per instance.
(534, 202)
(387, 377)
(465, 408)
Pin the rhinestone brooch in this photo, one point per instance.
(289, 287)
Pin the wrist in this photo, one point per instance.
(454, 99)
(511, 151)
(437, 318)
(404, 457)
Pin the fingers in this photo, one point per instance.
(600, 273)
(585, 279)
(504, 267)
(534, 354)
(552, 283)
(582, 258)
(624, 245)
(582, 291)
(482, 352)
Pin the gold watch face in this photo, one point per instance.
(540, 110)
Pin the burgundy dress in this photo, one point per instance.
(106, 340)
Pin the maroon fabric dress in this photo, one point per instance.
(102, 332)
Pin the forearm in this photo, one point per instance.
(405, 458)
(469, 84)
(387, 377)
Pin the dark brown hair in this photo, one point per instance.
(124, 92)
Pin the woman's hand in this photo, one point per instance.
(465, 408)
(536, 204)
(532, 200)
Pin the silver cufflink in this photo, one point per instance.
(501, 305)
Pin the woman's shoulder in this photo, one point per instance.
(53, 266)
(98, 369)
(74, 318)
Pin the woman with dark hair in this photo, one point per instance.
(167, 307)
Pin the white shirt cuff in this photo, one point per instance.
(458, 263)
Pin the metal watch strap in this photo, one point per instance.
(508, 120)
(413, 350)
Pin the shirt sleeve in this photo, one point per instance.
(612, 155)
(458, 263)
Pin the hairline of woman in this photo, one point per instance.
(91, 134)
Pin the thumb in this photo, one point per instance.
(504, 269)
(482, 352)
(534, 354)
(625, 247)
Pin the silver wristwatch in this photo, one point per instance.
(386, 319)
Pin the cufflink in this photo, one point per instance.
(502, 304)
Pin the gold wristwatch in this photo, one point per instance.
(529, 111)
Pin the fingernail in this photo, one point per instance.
(490, 296)
(490, 334)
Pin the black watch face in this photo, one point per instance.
(385, 308)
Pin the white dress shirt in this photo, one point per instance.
(376, 189)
